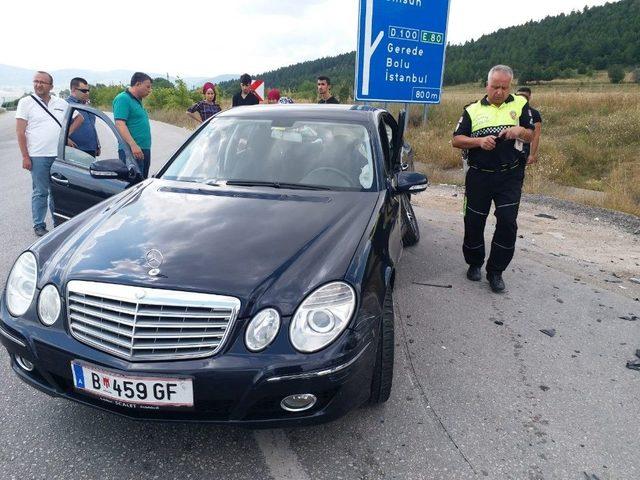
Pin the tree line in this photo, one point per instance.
(300, 79)
(598, 38)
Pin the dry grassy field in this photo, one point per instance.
(588, 152)
(590, 142)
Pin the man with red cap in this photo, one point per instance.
(273, 96)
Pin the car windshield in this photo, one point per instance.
(258, 152)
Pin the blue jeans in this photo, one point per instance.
(40, 171)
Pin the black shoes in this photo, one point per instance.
(474, 274)
(40, 231)
(495, 282)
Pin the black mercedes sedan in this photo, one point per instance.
(249, 282)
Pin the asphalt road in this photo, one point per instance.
(478, 392)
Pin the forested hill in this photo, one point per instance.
(593, 39)
(302, 76)
(562, 46)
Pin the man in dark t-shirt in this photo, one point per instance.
(530, 151)
(245, 96)
(324, 90)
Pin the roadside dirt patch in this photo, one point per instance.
(570, 236)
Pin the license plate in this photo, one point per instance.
(132, 391)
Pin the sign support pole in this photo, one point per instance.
(406, 118)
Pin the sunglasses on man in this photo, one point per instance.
(83, 90)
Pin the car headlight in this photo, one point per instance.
(322, 317)
(262, 329)
(21, 285)
(49, 305)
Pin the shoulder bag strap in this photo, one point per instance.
(46, 110)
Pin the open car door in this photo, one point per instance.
(398, 140)
(81, 175)
(403, 161)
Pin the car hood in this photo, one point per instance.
(230, 241)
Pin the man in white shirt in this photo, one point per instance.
(39, 120)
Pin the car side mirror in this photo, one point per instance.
(410, 182)
(110, 168)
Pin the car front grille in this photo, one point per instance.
(139, 323)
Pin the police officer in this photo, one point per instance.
(493, 131)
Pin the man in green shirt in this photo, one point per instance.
(132, 120)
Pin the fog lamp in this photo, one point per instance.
(24, 363)
(299, 402)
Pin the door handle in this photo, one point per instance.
(60, 181)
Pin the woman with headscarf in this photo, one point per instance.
(206, 108)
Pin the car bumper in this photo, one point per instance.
(232, 388)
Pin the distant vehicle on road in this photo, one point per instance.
(249, 282)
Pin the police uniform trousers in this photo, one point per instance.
(504, 189)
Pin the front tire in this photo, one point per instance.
(383, 369)
(411, 234)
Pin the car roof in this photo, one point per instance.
(336, 112)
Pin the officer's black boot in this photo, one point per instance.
(474, 274)
(495, 281)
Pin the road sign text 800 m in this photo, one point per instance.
(425, 94)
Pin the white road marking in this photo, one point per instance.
(280, 458)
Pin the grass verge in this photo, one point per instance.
(590, 144)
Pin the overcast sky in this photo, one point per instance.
(191, 38)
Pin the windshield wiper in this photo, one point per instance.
(260, 183)
(213, 181)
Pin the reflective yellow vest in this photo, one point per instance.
(488, 119)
